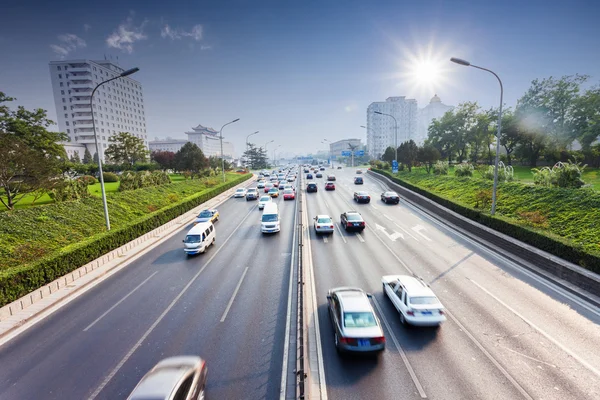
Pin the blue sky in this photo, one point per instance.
(297, 71)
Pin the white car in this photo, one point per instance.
(323, 224)
(241, 192)
(264, 200)
(414, 300)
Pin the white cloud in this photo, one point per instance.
(68, 43)
(176, 34)
(205, 47)
(126, 35)
(87, 27)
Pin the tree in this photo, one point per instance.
(480, 135)
(510, 136)
(214, 163)
(407, 153)
(87, 157)
(439, 135)
(428, 155)
(125, 148)
(586, 118)
(389, 155)
(96, 160)
(256, 156)
(190, 158)
(75, 158)
(166, 159)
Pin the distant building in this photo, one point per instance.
(167, 144)
(434, 110)
(74, 148)
(336, 148)
(118, 105)
(208, 140)
(381, 128)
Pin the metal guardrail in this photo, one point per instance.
(300, 350)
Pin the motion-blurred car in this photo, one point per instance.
(274, 192)
(359, 171)
(240, 192)
(260, 185)
(414, 300)
(182, 377)
(390, 197)
(322, 169)
(352, 220)
(358, 180)
(309, 176)
(311, 187)
(331, 178)
(323, 224)
(355, 324)
(319, 175)
(252, 194)
(330, 186)
(288, 194)
(339, 167)
(362, 197)
(207, 215)
(264, 200)
(268, 186)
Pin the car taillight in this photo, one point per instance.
(331, 226)
(349, 224)
(380, 339)
(441, 312)
(362, 223)
(411, 313)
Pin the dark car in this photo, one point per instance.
(309, 176)
(322, 169)
(339, 168)
(390, 197)
(352, 220)
(331, 177)
(330, 186)
(358, 180)
(362, 197)
(319, 175)
(306, 170)
(311, 187)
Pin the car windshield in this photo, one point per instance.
(324, 220)
(424, 300)
(192, 239)
(359, 319)
(204, 214)
(354, 217)
(269, 218)
(390, 194)
(265, 198)
(288, 191)
(272, 190)
(240, 190)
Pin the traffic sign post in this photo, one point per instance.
(359, 153)
(346, 153)
(394, 167)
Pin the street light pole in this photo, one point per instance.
(275, 159)
(266, 144)
(221, 139)
(330, 152)
(468, 64)
(395, 133)
(247, 137)
(121, 75)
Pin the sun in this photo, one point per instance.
(426, 72)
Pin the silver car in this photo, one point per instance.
(323, 224)
(355, 324)
(182, 377)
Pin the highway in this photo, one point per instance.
(227, 305)
(508, 335)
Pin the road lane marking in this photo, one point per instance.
(340, 232)
(233, 296)
(359, 237)
(418, 229)
(541, 331)
(372, 205)
(119, 302)
(409, 367)
(406, 231)
(388, 217)
(326, 205)
(393, 236)
(164, 313)
(325, 239)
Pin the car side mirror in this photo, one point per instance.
(183, 240)
(328, 297)
(369, 295)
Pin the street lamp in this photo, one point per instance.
(330, 152)
(395, 133)
(221, 139)
(468, 64)
(274, 159)
(267, 154)
(247, 137)
(121, 75)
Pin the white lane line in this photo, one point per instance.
(490, 357)
(388, 217)
(409, 367)
(119, 302)
(372, 205)
(325, 239)
(359, 237)
(164, 313)
(326, 205)
(288, 318)
(233, 296)
(418, 229)
(540, 330)
(391, 251)
(406, 231)
(340, 232)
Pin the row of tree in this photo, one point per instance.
(547, 122)
(256, 157)
(190, 158)
(409, 155)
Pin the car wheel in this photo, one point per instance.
(337, 341)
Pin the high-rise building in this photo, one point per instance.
(208, 141)
(435, 109)
(381, 128)
(118, 105)
(336, 148)
(167, 144)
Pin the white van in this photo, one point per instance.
(199, 238)
(270, 219)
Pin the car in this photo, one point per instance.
(362, 197)
(240, 192)
(282, 183)
(359, 171)
(390, 197)
(207, 215)
(330, 186)
(339, 167)
(288, 194)
(291, 178)
(288, 186)
(181, 377)
(331, 178)
(260, 185)
(252, 194)
(309, 176)
(276, 184)
(273, 192)
(356, 327)
(352, 220)
(264, 200)
(319, 175)
(306, 170)
(311, 187)
(323, 224)
(268, 187)
(322, 169)
(414, 300)
(358, 180)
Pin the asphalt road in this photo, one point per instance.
(166, 304)
(509, 335)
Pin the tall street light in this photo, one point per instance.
(274, 159)
(121, 75)
(247, 137)
(395, 133)
(267, 154)
(325, 141)
(221, 138)
(468, 64)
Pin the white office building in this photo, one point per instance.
(118, 105)
(167, 144)
(381, 128)
(336, 148)
(208, 141)
(434, 110)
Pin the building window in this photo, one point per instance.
(58, 68)
(61, 84)
(67, 123)
(63, 100)
(68, 131)
(62, 92)
(65, 108)
(66, 115)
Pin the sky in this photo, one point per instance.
(299, 72)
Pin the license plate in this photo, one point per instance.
(426, 312)
(363, 342)
(355, 224)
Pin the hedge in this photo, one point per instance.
(550, 242)
(18, 281)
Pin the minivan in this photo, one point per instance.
(199, 238)
(270, 219)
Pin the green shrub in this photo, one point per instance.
(89, 180)
(441, 168)
(69, 190)
(464, 169)
(568, 175)
(110, 177)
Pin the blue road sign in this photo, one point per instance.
(394, 167)
(359, 153)
(346, 153)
